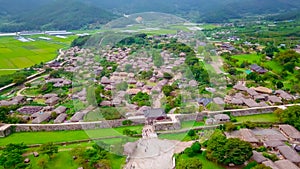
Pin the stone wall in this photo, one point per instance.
(73, 126)
(5, 130)
(118, 123)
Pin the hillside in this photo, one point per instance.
(53, 15)
(17, 15)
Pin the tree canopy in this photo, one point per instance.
(226, 151)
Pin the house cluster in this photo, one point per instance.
(258, 69)
(14, 101)
(139, 63)
(256, 96)
(282, 141)
(40, 114)
(224, 47)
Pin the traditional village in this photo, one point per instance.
(165, 88)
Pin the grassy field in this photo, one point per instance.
(189, 124)
(64, 159)
(206, 164)
(271, 117)
(15, 54)
(63, 136)
(251, 58)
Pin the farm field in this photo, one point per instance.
(251, 58)
(15, 54)
(64, 136)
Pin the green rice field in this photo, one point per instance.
(15, 54)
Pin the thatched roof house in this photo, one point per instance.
(261, 89)
(77, 117)
(59, 119)
(42, 117)
(270, 164)
(290, 132)
(60, 110)
(52, 101)
(285, 164)
(289, 153)
(29, 109)
(258, 157)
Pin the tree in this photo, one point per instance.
(291, 116)
(11, 155)
(196, 147)
(279, 85)
(167, 76)
(191, 163)
(167, 89)
(49, 148)
(19, 78)
(229, 126)
(191, 133)
(261, 166)
(42, 162)
(123, 86)
(226, 151)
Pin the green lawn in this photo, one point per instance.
(251, 58)
(63, 136)
(15, 54)
(190, 124)
(271, 117)
(206, 164)
(60, 160)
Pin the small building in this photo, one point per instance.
(61, 118)
(219, 101)
(284, 95)
(248, 135)
(152, 115)
(77, 117)
(60, 110)
(290, 132)
(52, 101)
(240, 87)
(42, 117)
(274, 99)
(285, 164)
(250, 103)
(258, 69)
(289, 153)
(221, 118)
(258, 157)
(271, 164)
(261, 89)
(273, 144)
(204, 101)
(29, 109)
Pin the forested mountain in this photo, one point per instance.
(16, 15)
(52, 14)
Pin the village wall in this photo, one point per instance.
(73, 126)
(118, 123)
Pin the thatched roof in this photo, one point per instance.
(261, 89)
(154, 113)
(258, 157)
(273, 143)
(41, 118)
(270, 164)
(60, 118)
(60, 109)
(289, 153)
(285, 164)
(290, 131)
(248, 135)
